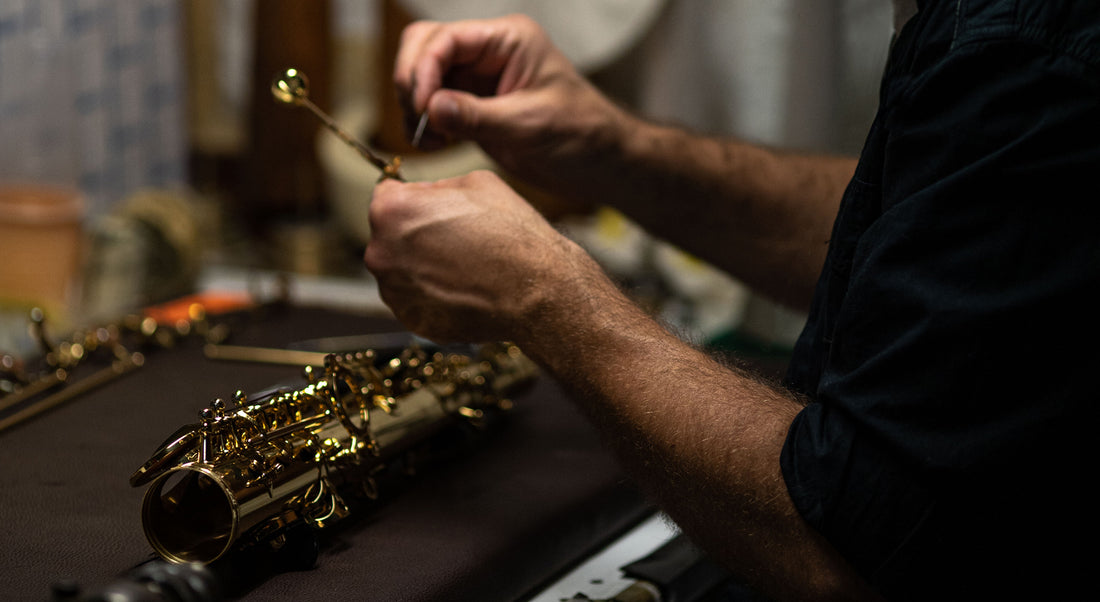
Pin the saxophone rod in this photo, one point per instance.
(263, 355)
(97, 379)
(39, 385)
(362, 149)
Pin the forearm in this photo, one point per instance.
(764, 216)
(467, 259)
(704, 439)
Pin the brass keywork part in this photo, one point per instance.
(292, 87)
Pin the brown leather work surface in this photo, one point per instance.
(534, 497)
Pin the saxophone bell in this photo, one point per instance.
(188, 517)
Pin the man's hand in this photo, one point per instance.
(503, 84)
(762, 215)
(468, 260)
(464, 259)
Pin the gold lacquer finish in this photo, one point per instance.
(248, 471)
(292, 87)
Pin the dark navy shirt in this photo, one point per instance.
(952, 352)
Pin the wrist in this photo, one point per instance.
(561, 301)
(594, 134)
(575, 311)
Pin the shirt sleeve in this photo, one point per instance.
(957, 402)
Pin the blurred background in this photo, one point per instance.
(142, 157)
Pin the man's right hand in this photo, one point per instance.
(503, 84)
(762, 215)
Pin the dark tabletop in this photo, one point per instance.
(494, 522)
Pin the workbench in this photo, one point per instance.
(496, 522)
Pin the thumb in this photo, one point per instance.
(462, 115)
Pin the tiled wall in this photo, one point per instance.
(91, 95)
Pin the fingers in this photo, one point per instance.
(482, 57)
(409, 52)
(427, 51)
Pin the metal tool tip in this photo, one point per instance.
(420, 129)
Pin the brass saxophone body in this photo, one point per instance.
(289, 456)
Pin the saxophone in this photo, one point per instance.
(249, 471)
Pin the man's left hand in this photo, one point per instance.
(464, 259)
